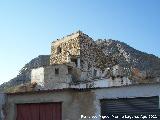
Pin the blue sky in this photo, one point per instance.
(27, 27)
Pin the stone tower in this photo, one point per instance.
(80, 50)
(69, 49)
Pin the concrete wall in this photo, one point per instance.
(74, 103)
(2, 106)
(37, 75)
(49, 74)
(102, 82)
(146, 90)
(77, 103)
(46, 78)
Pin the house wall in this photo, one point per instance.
(74, 103)
(56, 81)
(79, 103)
(46, 78)
(37, 75)
(103, 82)
(2, 106)
(145, 90)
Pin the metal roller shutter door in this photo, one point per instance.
(131, 106)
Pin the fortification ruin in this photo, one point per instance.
(77, 61)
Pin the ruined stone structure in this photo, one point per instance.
(77, 61)
(83, 78)
(79, 49)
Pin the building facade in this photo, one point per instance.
(87, 104)
(81, 82)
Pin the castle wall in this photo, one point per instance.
(62, 49)
(92, 58)
(84, 52)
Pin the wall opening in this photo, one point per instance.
(122, 81)
(73, 73)
(95, 73)
(74, 60)
(70, 69)
(59, 50)
(56, 71)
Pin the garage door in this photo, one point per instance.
(39, 111)
(131, 107)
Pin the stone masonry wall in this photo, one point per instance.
(97, 58)
(80, 45)
(92, 58)
(69, 45)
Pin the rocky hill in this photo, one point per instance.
(136, 64)
(24, 75)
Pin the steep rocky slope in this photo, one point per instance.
(24, 75)
(136, 64)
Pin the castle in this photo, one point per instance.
(84, 78)
(77, 62)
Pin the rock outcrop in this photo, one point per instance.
(24, 75)
(137, 65)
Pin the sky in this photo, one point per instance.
(27, 27)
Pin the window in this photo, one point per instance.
(59, 50)
(74, 60)
(56, 71)
(95, 73)
(121, 81)
(70, 70)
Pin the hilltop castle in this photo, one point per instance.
(77, 61)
